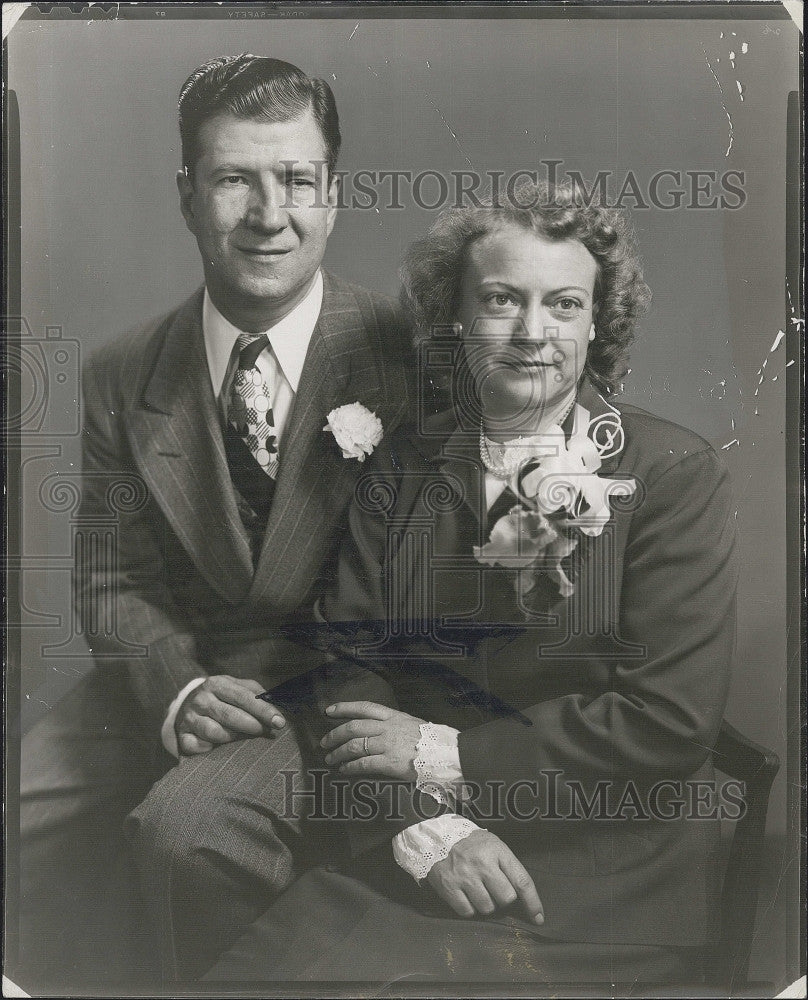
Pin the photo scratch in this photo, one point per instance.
(452, 132)
(723, 105)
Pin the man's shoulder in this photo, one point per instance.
(376, 308)
(127, 357)
(371, 331)
(336, 285)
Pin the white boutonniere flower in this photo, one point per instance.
(356, 430)
(560, 498)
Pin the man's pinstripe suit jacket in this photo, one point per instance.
(187, 597)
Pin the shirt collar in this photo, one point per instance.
(459, 452)
(289, 337)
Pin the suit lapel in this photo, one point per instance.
(465, 471)
(314, 481)
(176, 437)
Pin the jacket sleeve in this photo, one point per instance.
(152, 643)
(355, 610)
(661, 711)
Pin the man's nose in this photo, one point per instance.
(266, 209)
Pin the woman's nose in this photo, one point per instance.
(538, 326)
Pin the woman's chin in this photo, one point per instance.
(517, 399)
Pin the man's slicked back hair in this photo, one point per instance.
(258, 87)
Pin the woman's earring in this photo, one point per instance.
(592, 332)
(457, 329)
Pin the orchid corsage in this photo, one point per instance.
(560, 498)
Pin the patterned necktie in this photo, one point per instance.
(250, 411)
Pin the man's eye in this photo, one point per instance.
(301, 182)
(232, 180)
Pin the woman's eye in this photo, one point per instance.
(501, 299)
(567, 305)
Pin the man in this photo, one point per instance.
(216, 412)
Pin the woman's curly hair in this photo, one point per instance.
(433, 268)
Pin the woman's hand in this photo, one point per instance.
(481, 874)
(377, 741)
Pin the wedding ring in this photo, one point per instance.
(365, 750)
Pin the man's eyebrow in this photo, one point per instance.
(287, 166)
(298, 167)
(231, 168)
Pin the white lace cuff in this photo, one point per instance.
(419, 847)
(437, 762)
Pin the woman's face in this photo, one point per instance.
(526, 305)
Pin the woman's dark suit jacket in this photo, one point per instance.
(624, 683)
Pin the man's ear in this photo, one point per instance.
(186, 191)
(333, 202)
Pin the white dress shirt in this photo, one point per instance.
(281, 364)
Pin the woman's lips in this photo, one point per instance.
(518, 365)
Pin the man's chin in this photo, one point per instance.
(266, 290)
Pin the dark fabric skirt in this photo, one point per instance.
(370, 923)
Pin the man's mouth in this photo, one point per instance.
(268, 252)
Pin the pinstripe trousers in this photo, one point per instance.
(217, 839)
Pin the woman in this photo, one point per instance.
(544, 582)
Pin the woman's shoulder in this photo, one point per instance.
(654, 446)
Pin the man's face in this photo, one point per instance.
(261, 209)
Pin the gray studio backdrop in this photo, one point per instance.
(104, 246)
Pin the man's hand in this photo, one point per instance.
(481, 874)
(221, 710)
(389, 736)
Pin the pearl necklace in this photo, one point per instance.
(512, 453)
